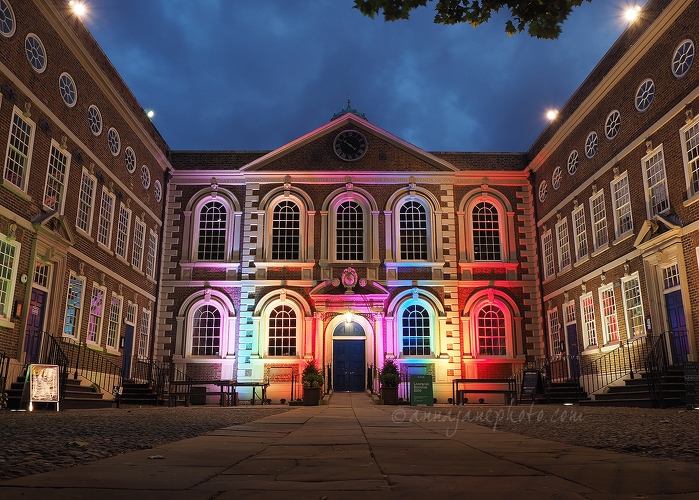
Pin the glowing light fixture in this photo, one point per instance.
(79, 8)
(632, 12)
(349, 317)
(150, 113)
(551, 114)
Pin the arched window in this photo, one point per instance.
(349, 242)
(206, 331)
(413, 231)
(486, 232)
(282, 331)
(286, 231)
(415, 330)
(491, 331)
(212, 232)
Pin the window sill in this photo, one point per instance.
(93, 345)
(226, 266)
(548, 280)
(295, 264)
(610, 346)
(105, 248)
(413, 263)
(137, 269)
(121, 259)
(111, 350)
(580, 262)
(4, 323)
(593, 349)
(564, 270)
(625, 236)
(491, 264)
(84, 234)
(14, 189)
(600, 250)
(691, 200)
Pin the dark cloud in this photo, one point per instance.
(246, 74)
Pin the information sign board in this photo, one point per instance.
(421, 392)
(42, 382)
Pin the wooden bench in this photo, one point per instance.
(226, 391)
(510, 391)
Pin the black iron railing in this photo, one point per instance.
(670, 348)
(157, 375)
(626, 360)
(91, 364)
(404, 386)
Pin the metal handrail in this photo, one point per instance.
(4, 370)
(627, 359)
(42, 347)
(660, 359)
(92, 365)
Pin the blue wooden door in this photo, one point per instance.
(35, 324)
(349, 365)
(679, 342)
(128, 352)
(574, 361)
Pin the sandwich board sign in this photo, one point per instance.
(421, 392)
(42, 383)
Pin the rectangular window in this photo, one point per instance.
(139, 233)
(131, 313)
(557, 346)
(123, 228)
(587, 306)
(152, 251)
(547, 245)
(104, 229)
(56, 176)
(671, 277)
(657, 197)
(563, 238)
(144, 334)
(600, 237)
(114, 321)
(580, 233)
(42, 275)
(610, 325)
(19, 147)
(569, 310)
(94, 326)
(86, 202)
(9, 253)
(74, 305)
(633, 305)
(690, 150)
(621, 198)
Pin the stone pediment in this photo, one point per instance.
(340, 295)
(54, 225)
(657, 230)
(314, 152)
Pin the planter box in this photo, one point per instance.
(311, 396)
(389, 395)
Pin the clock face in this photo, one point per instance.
(349, 145)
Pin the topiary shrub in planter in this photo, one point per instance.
(312, 382)
(390, 379)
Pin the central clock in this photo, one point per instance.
(349, 145)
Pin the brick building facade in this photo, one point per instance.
(347, 246)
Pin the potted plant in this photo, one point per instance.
(390, 379)
(312, 382)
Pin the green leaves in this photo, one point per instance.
(540, 18)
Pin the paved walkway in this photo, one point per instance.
(353, 449)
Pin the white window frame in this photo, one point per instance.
(152, 257)
(366, 226)
(8, 277)
(114, 328)
(121, 247)
(222, 332)
(302, 231)
(557, 347)
(429, 232)
(547, 252)
(54, 182)
(139, 240)
(610, 319)
(565, 260)
(26, 168)
(106, 219)
(659, 186)
(144, 334)
(582, 248)
(587, 317)
(632, 283)
(86, 206)
(600, 231)
(690, 157)
(79, 309)
(97, 315)
(621, 202)
(500, 231)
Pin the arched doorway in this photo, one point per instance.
(349, 357)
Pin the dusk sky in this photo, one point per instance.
(254, 75)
